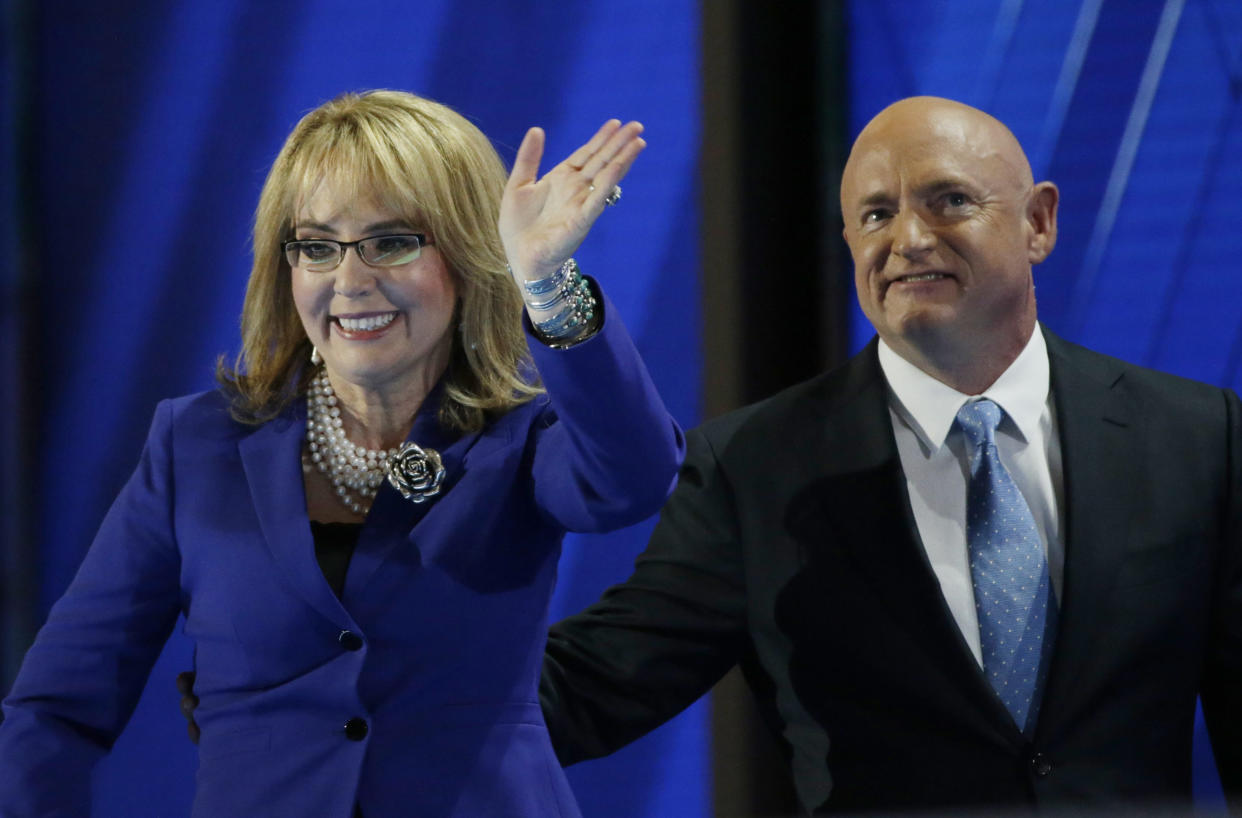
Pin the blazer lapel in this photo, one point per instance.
(1097, 428)
(393, 520)
(271, 458)
(859, 502)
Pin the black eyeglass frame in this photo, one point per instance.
(342, 246)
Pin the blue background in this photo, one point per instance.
(154, 124)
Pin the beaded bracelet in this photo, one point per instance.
(577, 311)
(575, 320)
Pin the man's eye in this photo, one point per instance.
(874, 216)
(956, 199)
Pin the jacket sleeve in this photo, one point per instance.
(1222, 681)
(660, 640)
(607, 450)
(81, 679)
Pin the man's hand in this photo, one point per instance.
(185, 686)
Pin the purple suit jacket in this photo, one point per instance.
(447, 600)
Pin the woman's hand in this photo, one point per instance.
(542, 221)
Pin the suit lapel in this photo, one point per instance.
(858, 501)
(393, 520)
(1097, 429)
(395, 526)
(271, 458)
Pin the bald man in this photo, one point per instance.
(975, 566)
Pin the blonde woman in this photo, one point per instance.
(362, 524)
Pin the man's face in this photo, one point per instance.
(937, 202)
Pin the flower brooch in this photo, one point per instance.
(416, 472)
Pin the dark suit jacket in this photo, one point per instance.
(790, 547)
(431, 654)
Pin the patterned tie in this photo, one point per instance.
(1013, 593)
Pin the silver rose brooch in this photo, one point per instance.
(416, 472)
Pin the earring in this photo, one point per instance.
(316, 360)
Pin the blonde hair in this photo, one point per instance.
(427, 163)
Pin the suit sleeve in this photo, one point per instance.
(1222, 683)
(81, 679)
(660, 640)
(607, 450)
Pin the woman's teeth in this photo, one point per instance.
(371, 322)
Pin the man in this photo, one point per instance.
(852, 541)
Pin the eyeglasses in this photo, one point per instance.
(323, 255)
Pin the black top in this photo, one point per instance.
(334, 545)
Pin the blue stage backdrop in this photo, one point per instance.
(1132, 108)
(155, 124)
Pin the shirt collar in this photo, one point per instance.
(930, 407)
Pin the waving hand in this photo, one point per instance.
(543, 220)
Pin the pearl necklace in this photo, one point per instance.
(351, 469)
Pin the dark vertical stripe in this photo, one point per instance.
(89, 69)
(19, 363)
(776, 281)
(781, 284)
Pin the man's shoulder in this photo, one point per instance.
(1142, 383)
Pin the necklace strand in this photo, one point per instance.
(355, 472)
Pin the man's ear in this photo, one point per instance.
(1041, 217)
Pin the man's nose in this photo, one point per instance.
(912, 236)
(354, 277)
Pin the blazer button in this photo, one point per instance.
(350, 640)
(1041, 765)
(356, 729)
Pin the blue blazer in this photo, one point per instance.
(413, 694)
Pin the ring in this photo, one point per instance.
(613, 197)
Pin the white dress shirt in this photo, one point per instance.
(933, 457)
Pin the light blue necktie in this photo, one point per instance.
(1013, 593)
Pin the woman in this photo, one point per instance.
(382, 659)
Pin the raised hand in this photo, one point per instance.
(542, 221)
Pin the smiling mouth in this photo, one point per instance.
(910, 279)
(363, 327)
(364, 324)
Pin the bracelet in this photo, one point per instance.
(560, 294)
(577, 317)
(548, 283)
